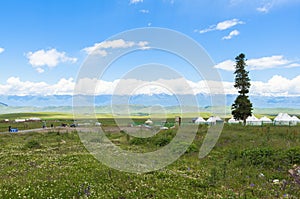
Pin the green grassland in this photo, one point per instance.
(243, 164)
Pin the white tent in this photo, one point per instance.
(200, 120)
(218, 119)
(233, 121)
(97, 124)
(265, 120)
(34, 119)
(253, 121)
(295, 120)
(213, 120)
(282, 119)
(20, 120)
(148, 122)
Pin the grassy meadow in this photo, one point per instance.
(247, 162)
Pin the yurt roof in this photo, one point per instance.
(265, 119)
(251, 118)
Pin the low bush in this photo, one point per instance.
(33, 144)
(259, 156)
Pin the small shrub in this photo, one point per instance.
(232, 155)
(162, 141)
(293, 155)
(137, 141)
(33, 144)
(123, 132)
(259, 156)
(192, 148)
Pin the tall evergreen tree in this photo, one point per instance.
(242, 107)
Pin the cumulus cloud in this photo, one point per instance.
(226, 65)
(101, 48)
(276, 86)
(224, 25)
(136, 1)
(275, 61)
(49, 58)
(1, 50)
(231, 34)
(15, 86)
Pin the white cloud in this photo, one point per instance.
(226, 65)
(224, 25)
(293, 65)
(144, 11)
(268, 62)
(40, 70)
(276, 86)
(101, 48)
(265, 8)
(275, 61)
(1, 50)
(266, 5)
(14, 86)
(50, 58)
(135, 1)
(231, 34)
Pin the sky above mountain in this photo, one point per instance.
(43, 43)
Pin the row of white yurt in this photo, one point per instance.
(212, 120)
(280, 119)
(286, 119)
(253, 121)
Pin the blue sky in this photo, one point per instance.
(43, 43)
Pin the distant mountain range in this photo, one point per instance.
(2, 104)
(144, 104)
(146, 100)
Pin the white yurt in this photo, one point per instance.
(233, 121)
(213, 120)
(265, 120)
(295, 120)
(34, 119)
(200, 120)
(218, 119)
(148, 122)
(20, 120)
(282, 119)
(253, 121)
